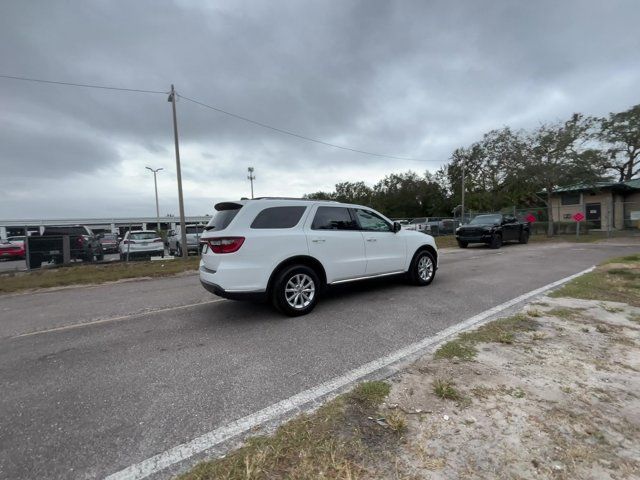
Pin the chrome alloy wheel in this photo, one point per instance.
(425, 268)
(300, 291)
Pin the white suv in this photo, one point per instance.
(288, 250)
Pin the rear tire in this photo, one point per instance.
(496, 241)
(178, 250)
(423, 268)
(524, 237)
(462, 244)
(295, 290)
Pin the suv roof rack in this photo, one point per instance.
(292, 198)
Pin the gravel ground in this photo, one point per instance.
(558, 402)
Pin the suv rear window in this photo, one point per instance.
(333, 218)
(143, 235)
(195, 229)
(225, 212)
(278, 217)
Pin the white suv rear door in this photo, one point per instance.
(334, 238)
(385, 249)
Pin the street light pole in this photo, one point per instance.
(183, 227)
(462, 203)
(155, 183)
(251, 178)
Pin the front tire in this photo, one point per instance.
(524, 237)
(496, 241)
(463, 244)
(423, 268)
(296, 290)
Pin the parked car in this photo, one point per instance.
(83, 245)
(289, 250)
(109, 242)
(141, 243)
(194, 232)
(493, 230)
(12, 249)
(418, 224)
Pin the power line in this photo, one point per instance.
(219, 110)
(293, 134)
(85, 85)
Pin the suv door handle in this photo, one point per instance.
(372, 239)
(318, 240)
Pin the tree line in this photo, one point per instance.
(510, 167)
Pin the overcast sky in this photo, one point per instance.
(408, 78)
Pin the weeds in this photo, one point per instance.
(370, 394)
(445, 389)
(397, 422)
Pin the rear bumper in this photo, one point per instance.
(253, 296)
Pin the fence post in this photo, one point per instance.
(66, 250)
(129, 243)
(27, 253)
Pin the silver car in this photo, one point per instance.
(174, 239)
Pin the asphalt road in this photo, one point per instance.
(111, 375)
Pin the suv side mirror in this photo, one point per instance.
(396, 227)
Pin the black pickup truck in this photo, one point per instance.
(494, 230)
(83, 245)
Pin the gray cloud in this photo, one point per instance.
(408, 78)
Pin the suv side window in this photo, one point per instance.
(278, 217)
(371, 222)
(333, 218)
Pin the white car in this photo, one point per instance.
(141, 243)
(194, 232)
(288, 250)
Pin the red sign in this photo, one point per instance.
(578, 217)
(530, 218)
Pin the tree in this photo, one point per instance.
(622, 132)
(353, 192)
(556, 157)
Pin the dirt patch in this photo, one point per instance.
(561, 401)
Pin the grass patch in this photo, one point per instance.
(498, 331)
(92, 274)
(617, 280)
(445, 389)
(456, 349)
(336, 441)
(564, 313)
(370, 394)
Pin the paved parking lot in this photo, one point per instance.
(95, 379)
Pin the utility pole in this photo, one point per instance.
(183, 227)
(462, 203)
(155, 183)
(251, 178)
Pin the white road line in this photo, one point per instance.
(211, 439)
(115, 319)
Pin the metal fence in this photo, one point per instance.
(600, 217)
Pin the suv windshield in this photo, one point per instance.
(225, 212)
(418, 220)
(486, 220)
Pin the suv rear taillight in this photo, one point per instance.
(224, 245)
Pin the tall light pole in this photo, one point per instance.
(155, 183)
(183, 228)
(251, 178)
(462, 203)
